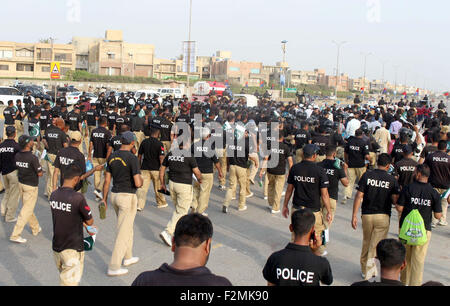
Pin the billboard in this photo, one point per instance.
(189, 58)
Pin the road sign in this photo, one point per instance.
(55, 70)
(291, 90)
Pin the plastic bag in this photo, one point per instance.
(89, 166)
(413, 230)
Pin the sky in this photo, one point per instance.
(411, 35)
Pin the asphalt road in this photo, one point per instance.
(242, 242)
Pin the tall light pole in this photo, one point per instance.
(382, 73)
(395, 86)
(366, 54)
(189, 48)
(338, 45)
(283, 48)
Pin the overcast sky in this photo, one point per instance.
(412, 34)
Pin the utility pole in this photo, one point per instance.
(395, 86)
(283, 48)
(338, 45)
(188, 61)
(365, 65)
(382, 73)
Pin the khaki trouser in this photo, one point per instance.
(373, 158)
(444, 204)
(150, 177)
(166, 145)
(275, 189)
(181, 195)
(86, 139)
(375, 228)
(318, 225)
(266, 186)
(354, 174)
(320, 158)
(140, 137)
(11, 198)
(254, 167)
(99, 177)
(19, 129)
(29, 196)
(238, 175)
(125, 206)
(222, 154)
(50, 171)
(70, 264)
(412, 275)
(202, 192)
(298, 156)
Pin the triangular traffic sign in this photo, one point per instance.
(55, 69)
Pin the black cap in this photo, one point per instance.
(407, 149)
(311, 149)
(10, 130)
(127, 137)
(24, 140)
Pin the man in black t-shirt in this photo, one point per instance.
(439, 163)
(54, 140)
(356, 154)
(309, 184)
(29, 171)
(99, 142)
(302, 137)
(123, 168)
(377, 190)
(405, 168)
(192, 247)
(392, 256)
(278, 157)
(206, 158)
(151, 155)
(419, 195)
(182, 166)
(9, 114)
(300, 263)
(8, 150)
(70, 213)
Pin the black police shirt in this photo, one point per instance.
(238, 152)
(8, 150)
(427, 150)
(74, 119)
(180, 167)
(439, 163)
(308, 179)
(91, 117)
(8, 113)
(217, 134)
(296, 265)
(65, 158)
(45, 119)
(397, 151)
(334, 176)
(200, 276)
(151, 149)
(100, 138)
(112, 120)
(116, 142)
(69, 211)
(302, 138)
(123, 166)
(55, 139)
(183, 118)
(424, 198)
(405, 170)
(282, 153)
(378, 186)
(322, 141)
(166, 129)
(357, 149)
(28, 168)
(205, 157)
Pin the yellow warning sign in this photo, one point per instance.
(55, 70)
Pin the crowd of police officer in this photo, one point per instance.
(328, 144)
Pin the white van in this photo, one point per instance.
(10, 93)
(174, 92)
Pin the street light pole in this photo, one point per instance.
(283, 48)
(364, 79)
(395, 86)
(188, 61)
(338, 45)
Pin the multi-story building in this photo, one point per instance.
(239, 72)
(360, 83)
(300, 77)
(33, 60)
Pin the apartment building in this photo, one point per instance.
(239, 72)
(33, 60)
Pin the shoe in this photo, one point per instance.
(98, 194)
(283, 193)
(166, 238)
(18, 240)
(11, 221)
(443, 223)
(205, 214)
(224, 209)
(3, 191)
(433, 225)
(325, 253)
(265, 198)
(344, 201)
(163, 206)
(252, 182)
(275, 211)
(363, 275)
(117, 272)
(139, 209)
(243, 208)
(249, 195)
(131, 261)
(234, 198)
(39, 230)
(222, 187)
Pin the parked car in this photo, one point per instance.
(74, 97)
(174, 92)
(36, 91)
(10, 93)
